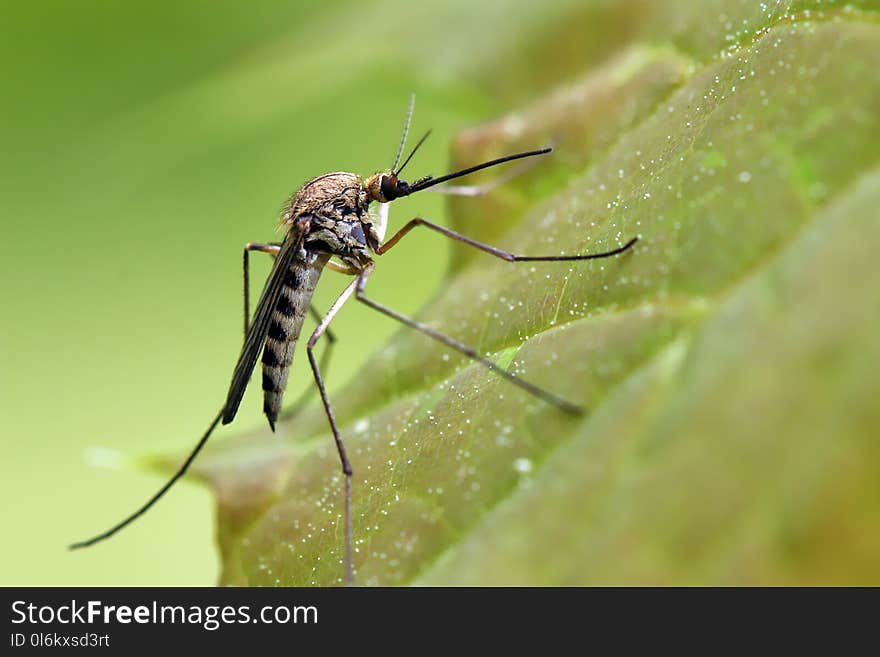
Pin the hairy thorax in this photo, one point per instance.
(337, 207)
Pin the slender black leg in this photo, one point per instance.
(498, 253)
(271, 249)
(555, 400)
(340, 447)
(547, 396)
(177, 475)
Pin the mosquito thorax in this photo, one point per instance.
(333, 193)
(337, 205)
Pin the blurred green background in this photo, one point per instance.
(143, 143)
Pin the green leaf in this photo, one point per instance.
(728, 362)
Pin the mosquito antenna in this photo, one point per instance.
(430, 181)
(413, 152)
(177, 475)
(409, 113)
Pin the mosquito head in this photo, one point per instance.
(385, 187)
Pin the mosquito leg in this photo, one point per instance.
(492, 250)
(177, 475)
(485, 188)
(458, 346)
(531, 388)
(271, 249)
(266, 248)
(340, 447)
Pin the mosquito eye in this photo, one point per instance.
(389, 187)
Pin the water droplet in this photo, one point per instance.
(522, 465)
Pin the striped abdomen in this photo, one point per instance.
(284, 329)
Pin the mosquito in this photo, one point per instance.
(329, 226)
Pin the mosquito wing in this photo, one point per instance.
(259, 328)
